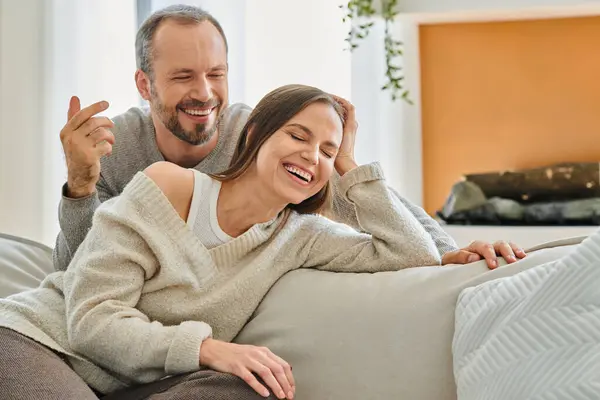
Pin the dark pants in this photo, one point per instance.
(29, 370)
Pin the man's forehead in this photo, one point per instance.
(179, 40)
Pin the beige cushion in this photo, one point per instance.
(23, 264)
(371, 336)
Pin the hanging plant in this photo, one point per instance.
(361, 14)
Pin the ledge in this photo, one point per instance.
(524, 236)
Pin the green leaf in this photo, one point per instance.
(356, 9)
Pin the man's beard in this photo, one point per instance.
(200, 134)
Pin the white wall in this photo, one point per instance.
(89, 52)
(21, 117)
(295, 41)
(383, 132)
(49, 51)
(434, 6)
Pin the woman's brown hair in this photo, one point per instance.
(269, 115)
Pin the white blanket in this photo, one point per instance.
(534, 335)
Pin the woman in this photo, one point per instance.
(174, 267)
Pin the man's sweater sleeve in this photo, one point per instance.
(393, 238)
(344, 211)
(443, 241)
(102, 288)
(75, 220)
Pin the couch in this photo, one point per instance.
(347, 336)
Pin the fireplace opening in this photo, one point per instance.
(566, 194)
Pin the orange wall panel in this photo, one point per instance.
(506, 95)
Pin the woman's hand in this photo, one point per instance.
(479, 249)
(244, 360)
(344, 160)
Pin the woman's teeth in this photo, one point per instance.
(304, 175)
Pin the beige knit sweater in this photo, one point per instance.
(142, 292)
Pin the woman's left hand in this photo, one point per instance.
(344, 160)
(479, 249)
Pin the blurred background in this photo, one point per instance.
(493, 85)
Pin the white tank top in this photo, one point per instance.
(202, 218)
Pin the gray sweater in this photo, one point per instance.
(142, 292)
(135, 149)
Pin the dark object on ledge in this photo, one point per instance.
(559, 182)
(498, 211)
(467, 205)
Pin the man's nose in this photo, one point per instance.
(203, 89)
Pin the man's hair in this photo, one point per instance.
(183, 14)
(270, 114)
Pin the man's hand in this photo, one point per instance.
(244, 360)
(479, 249)
(85, 139)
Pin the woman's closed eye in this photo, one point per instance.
(297, 137)
(327, 154)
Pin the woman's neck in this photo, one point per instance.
(242, 203)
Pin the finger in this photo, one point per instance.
(460, 257)
(350, 110)
(265, 372)
(473, 257)
(103, 149)
(92, 124)
(74, 107)
(251, 380)
(504, 249)
(100, 135)
(519, 252)
(348, 107)
(343, 102)
(83, 115)
(283, 373)
(287, 368)
(485, 250)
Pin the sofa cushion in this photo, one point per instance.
(23, 264)
(532, 335)
(386, 335)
